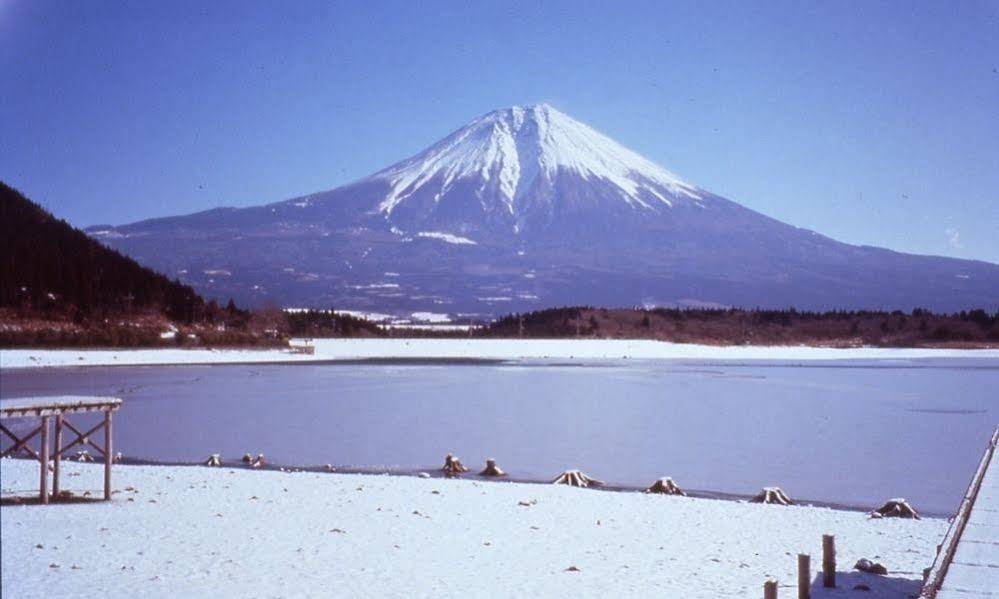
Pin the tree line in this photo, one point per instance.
(759, 326)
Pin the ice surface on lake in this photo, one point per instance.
(856, 433)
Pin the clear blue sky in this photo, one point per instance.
(871, 122)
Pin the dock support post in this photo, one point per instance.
(770, 589)
(828, 561)
(108, 455)
(57, 458)
(804, 576)
(43, 457)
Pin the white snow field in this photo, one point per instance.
(486, 349)
(204, 532)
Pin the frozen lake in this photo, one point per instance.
(847, 432)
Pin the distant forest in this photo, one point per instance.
(60, 287)
(327, 323)
(973, 328)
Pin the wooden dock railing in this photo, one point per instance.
(945, 553)
(47, 408)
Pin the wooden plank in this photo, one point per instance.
(34, 413)
(49, 406)
(54, 401)
(84, 437)
(20, 444)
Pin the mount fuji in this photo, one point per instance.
(525, 208)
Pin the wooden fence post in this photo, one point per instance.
(108, 455)
(770, 589)
(804, 576)
(57, 458)
(828, 561)
(43, 457)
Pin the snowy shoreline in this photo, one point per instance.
(434, 473)
(343, 350)
(194, 531)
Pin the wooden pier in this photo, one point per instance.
(967, 564)
(46, 409)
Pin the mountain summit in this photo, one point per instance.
(523, 208)
(512, 173)
(515, 159)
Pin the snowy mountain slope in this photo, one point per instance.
(514, 147)
(523, 208)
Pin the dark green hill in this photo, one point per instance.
(46, 264)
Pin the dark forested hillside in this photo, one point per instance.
(59, 287)
(975, 328)
(47, 263)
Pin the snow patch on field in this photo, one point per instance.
(446, 237)
(200, 532)
(431, 317)
(107, 233)
(375, 286)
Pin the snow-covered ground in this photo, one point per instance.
(199, 532)
(33, 358)
(490, 349)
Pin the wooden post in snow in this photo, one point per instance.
(770, 589)
(828, 561)
(43, 489)
(804, 576)
(108, 455)
(57, 458)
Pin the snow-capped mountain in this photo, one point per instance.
(510, 174)
(515, 155)
(524, 208)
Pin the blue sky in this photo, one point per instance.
(871, 122)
